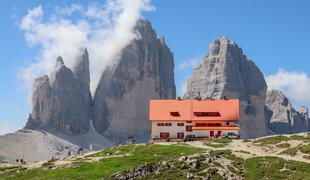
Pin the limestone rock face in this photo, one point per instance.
(281, 117)
(227, 72)
(144, 72)
(303, 110)
(63, 100)
(277, 112)
(41, 103)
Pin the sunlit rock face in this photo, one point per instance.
(227, 72)
(144, 72)
(281, 117)
(62, 101)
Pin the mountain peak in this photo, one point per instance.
(81, 68)
(59, 62)
(144, 30)
(277, 96)
(143, 23)
(221, 45)
(226, 72)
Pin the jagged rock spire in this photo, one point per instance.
(62, 102)
(226, 72)
(145, 71)
(81, 68)
(59, 62)
(281, 116)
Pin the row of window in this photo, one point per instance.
(169, 124)
(208, 124)
(199, 114)
(164, 124)
(188, 128)
(197, 124)
(166, 135)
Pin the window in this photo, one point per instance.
(168, 124)
(188, 121)
(180, 124)
(202, 114)
(180, 135)
(208, 124)
(175, 114)
(188, 128)
(160, 124)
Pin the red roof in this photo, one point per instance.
(197, 110)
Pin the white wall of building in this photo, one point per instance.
(173, 130)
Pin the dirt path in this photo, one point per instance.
(247, 150)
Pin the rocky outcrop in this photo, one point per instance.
(281, 117)
(227, 72)
(144, 71)
(198, 166)
(142, 171)
(62, 101)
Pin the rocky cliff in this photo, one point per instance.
(227, 72)
(281, 117)
(144, 71)
(62, 101)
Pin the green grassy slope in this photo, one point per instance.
(132, 157)
(115, 159)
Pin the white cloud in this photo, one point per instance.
(67, 11)
(104, 29)
(295, 85)
(190, 63)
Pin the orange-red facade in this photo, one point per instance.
(200, 118)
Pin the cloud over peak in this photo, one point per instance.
(295, 85)
(105, 29)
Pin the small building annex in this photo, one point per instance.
(176, 119)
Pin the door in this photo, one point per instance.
(164, 135)
(180, 135)
(219, 133)
(211, 133)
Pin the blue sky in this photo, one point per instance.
(274, 34)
